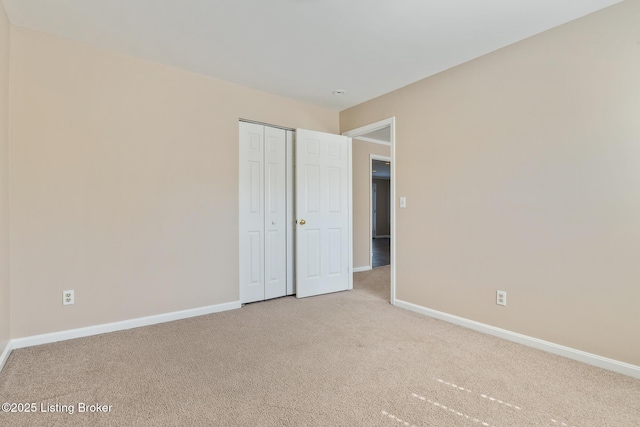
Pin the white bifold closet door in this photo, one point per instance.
(263, 212)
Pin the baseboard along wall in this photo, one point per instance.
(112, 327)
(582, 356)
(560, 350)
(361, 269)
(6, 351)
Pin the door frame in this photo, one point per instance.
(354, 133)
(372, 211)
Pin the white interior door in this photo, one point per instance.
(275, 207)
(262, 213)
(251, 217)
(323, 194)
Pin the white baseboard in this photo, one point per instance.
(361, 269)
(382, 236)
(568, 352)
(119, 326)
(5, 354)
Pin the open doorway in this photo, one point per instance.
(380, 211)
(381, 139)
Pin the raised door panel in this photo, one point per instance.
(275, 219)
(251, 212)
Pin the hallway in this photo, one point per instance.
(381, 249)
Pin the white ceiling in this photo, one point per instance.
(303, 49)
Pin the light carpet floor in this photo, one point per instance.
(345, 359)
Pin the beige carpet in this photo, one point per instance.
(346, 359)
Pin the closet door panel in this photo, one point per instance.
(275, 224)
(251, 213)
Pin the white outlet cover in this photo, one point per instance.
(68, 297)
(501, 298)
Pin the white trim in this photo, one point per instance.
(267, 124)
(568, 352)
(375, 141)
(392, 126)
(354, 133)
(373, 214)
(361, 269)
(381, 124)
(5, 354)
(120, 326)
(350, 198)
(382, 236)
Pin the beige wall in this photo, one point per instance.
(361, 150)
(125, 182)
(4, 179)
(529, 166)
(383, 209)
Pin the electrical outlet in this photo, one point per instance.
(501, 298)
(68, 297)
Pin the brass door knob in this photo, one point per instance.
(303, 222)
